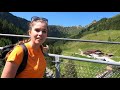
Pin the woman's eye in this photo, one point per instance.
(44, 31)
(37, 30)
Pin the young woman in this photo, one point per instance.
(36, 64)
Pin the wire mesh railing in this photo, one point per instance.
(74, 67)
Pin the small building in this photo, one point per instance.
(88, 52)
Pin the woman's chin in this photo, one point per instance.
(38, 42)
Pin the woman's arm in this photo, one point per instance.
(9, 70)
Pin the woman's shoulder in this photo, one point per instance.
(18, 48)
(16, 54)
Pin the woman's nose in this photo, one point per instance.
(40, 33)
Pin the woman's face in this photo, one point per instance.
(38, 32)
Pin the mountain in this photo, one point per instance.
(54, 30)
(17, 21)
(112, 23)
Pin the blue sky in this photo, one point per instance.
(67, 18)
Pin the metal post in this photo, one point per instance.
(57, 66)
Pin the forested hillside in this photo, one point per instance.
(9, 28)
(17, 21)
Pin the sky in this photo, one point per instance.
(67, 18)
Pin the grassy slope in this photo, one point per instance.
(74, 47)
(71, 48)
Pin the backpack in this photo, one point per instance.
(7, 49)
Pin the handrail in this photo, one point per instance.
(68, 39)
(84, 59)
(13, 35)
(1, 48)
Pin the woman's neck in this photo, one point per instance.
(34, 46)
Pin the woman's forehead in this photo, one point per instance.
(39, 24)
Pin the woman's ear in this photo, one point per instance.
(29, 32)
